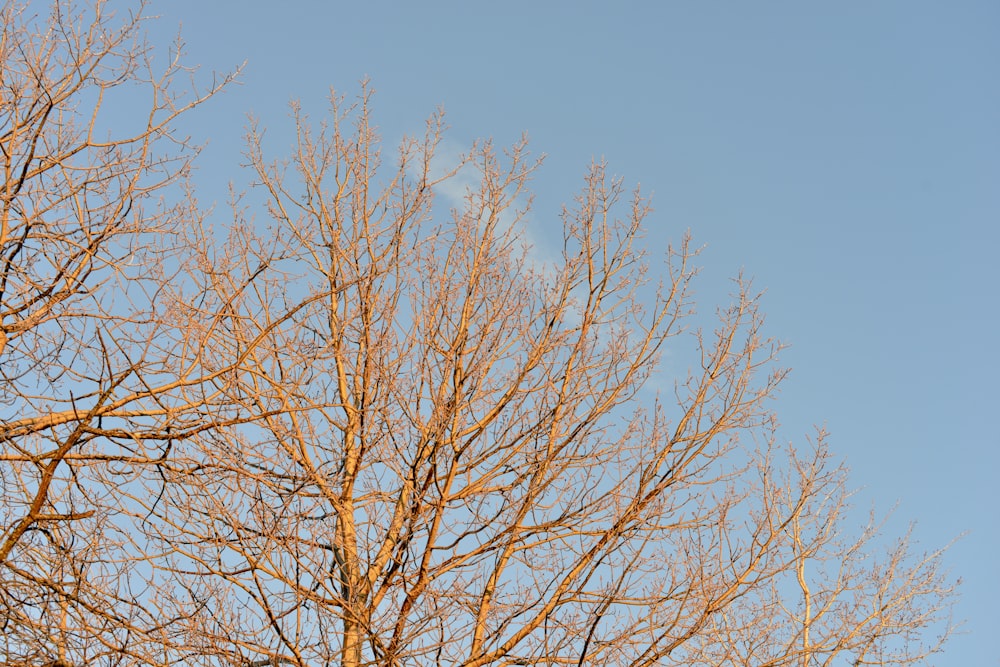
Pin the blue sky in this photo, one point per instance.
(845, 155)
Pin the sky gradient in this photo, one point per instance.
(845, 156)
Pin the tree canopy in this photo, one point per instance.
(363, 424)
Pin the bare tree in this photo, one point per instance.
(99, 372)
(364, 430)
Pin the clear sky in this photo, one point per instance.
(846, 155)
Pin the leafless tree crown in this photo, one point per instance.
(365, 422)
